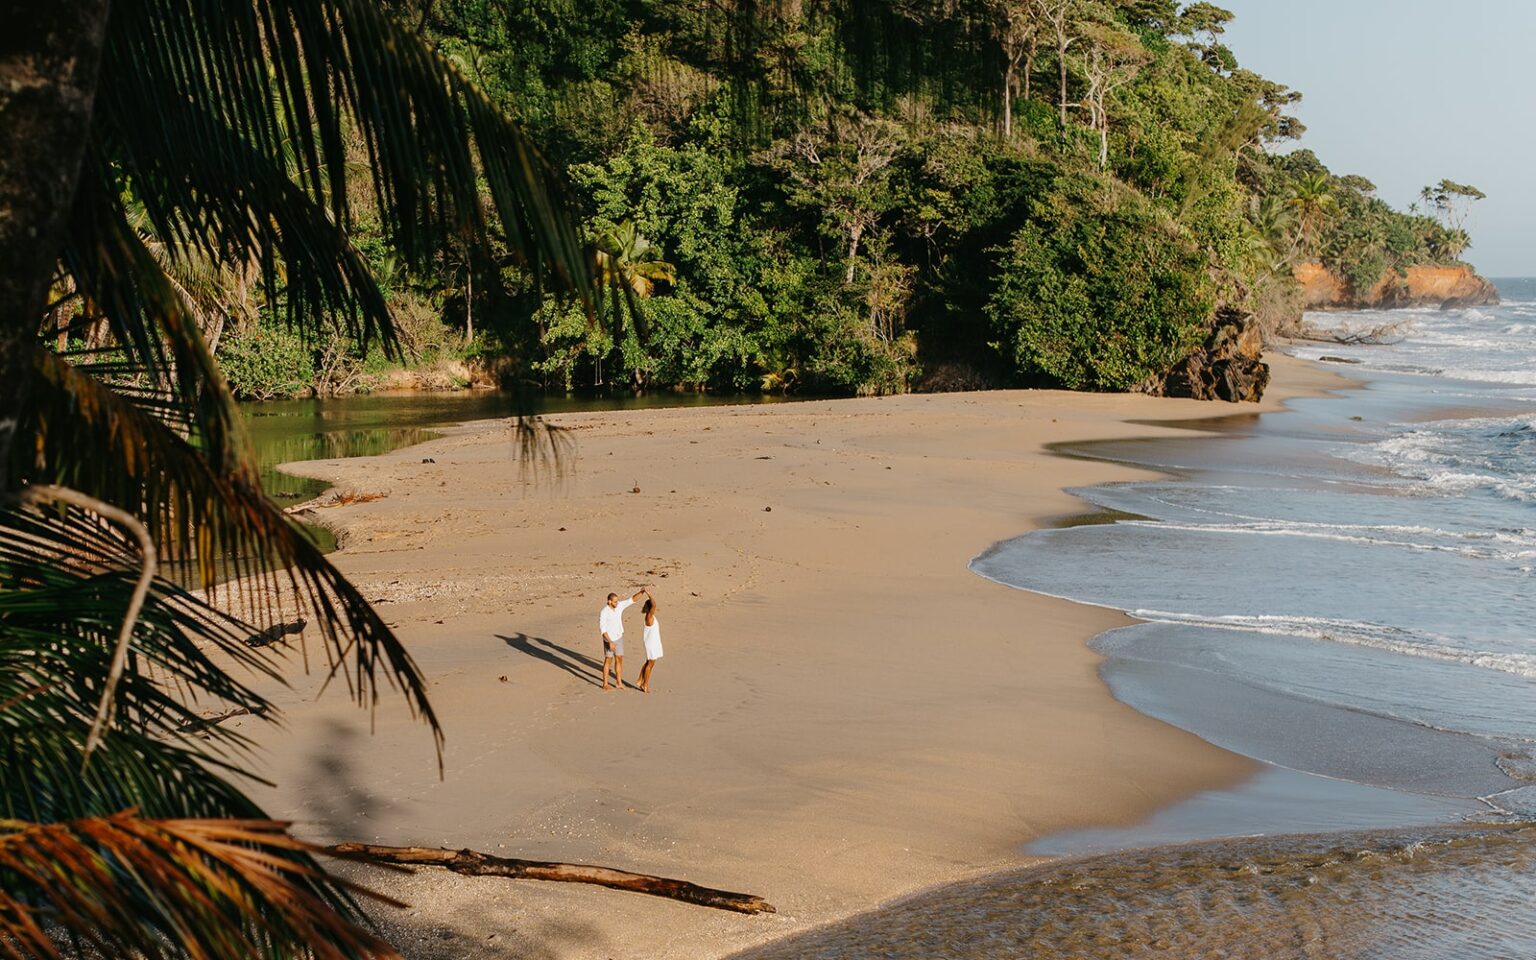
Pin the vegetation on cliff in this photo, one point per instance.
(858, 197)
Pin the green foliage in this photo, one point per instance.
(1339, 222)
(1097, 291)
(817, 196)
(267, 361)
(829, 181)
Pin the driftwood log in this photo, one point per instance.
(472, 863)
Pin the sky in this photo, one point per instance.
(1406, 92)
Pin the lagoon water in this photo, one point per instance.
(284, 431)
(1345, 591)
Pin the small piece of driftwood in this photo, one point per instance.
(472, 863)
(204, 723)
(275, 633)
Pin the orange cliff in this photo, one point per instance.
(1426, 285)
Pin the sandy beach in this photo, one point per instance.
(845, 713)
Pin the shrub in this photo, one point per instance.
(1097, 291)
(266, 361)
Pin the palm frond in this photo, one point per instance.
(186, 103)
(158, 338)
(64, 589)
(127, 885)
(217, 521)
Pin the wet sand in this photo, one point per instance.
(845, 714)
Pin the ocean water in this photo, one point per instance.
(1378, 896)
(1351, 584)
(1345, 591)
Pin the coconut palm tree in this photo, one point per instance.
(630, 266)
(1273, 220)
(628, 261)
(1314, 203)
(1449, 243)
(230, 122)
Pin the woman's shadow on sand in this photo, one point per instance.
(579, 666)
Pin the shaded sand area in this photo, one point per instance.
(845, 713)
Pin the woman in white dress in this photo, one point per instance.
(652, 639)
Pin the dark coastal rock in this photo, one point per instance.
(1227, 366)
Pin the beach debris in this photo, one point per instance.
(472, 863)
(562, 529)
(1357, 418)
(427, 460)
(636, 488)
(275, 633)
(1382, 333)
(1338, 360)
(502, 678)
(767, 509)
(762, 458)
(206, 722)
(342, 498)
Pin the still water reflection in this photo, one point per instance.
(283, 431)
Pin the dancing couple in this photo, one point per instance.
(611, 624)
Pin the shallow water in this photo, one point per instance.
(1345, 588)
(284, 431)
(1402, 895)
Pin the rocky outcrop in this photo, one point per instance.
(1227, 366)
(1425, 285)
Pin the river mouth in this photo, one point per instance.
(369, 425)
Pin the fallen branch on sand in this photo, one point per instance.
(472, 863)
(275, 633)
(204, 723)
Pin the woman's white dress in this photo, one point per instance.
(652, 638)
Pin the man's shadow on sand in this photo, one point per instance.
(577, 665)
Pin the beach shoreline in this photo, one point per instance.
(847, 714)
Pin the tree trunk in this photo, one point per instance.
(472, 863)
(48, 66)
(1008, 101)
(60, 317)
(854, 233)
(1061, 59)
(1029, 67)
(215, 331)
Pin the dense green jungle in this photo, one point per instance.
(845, 197)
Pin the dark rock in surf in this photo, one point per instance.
(1227, 366)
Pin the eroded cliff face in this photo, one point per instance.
(1427, 285)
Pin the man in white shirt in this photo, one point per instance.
(611, 624)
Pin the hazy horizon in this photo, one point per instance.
(1408, 92)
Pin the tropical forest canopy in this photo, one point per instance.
(860, 196)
